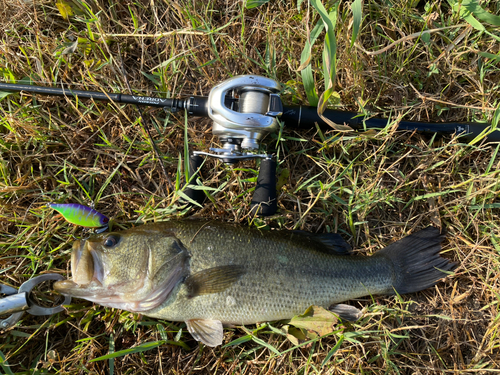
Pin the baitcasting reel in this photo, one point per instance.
(244, 109)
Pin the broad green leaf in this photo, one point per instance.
(111, 362)
(64, 9)
(315, 320)
(153, 78)
(473, 22)
(295, 335)
(430, 195)
(188, 199)
(282, 179)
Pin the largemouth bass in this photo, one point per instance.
(210, 273)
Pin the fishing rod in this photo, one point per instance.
(246, 108)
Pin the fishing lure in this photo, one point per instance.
(82, 215)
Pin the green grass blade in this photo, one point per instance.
(250, 4)
(470, 9)
(111, 362)
(265, 344)
(431, 195)
(239, 341)
(333, 351)
(357, 15)
(329, 59)
(493, 127)
(475, 8)
(107, 182)
(330, 45)
(490, 56)
(5, 365)
(305, 65)
(137, 349)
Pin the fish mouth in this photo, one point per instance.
(86, 268)
(141, 294)
(86, 265)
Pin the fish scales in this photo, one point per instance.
(209, 273)
(285, 275)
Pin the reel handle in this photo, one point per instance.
(264, 202)
(195, 162)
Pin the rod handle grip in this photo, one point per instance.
(264, 202)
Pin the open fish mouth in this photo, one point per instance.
(86, 265)
(86, 271)
(94, 278)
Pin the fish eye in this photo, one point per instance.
(105, 220)
(111, 241)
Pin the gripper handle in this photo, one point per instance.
(264, 201)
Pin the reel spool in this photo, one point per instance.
(244, 109)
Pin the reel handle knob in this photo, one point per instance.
(264, 202)
(195, 162)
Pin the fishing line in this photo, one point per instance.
(146, 127)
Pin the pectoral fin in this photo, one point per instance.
(346, 312)
(213, 280)
(207, 331)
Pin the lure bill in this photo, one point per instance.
(81, 215)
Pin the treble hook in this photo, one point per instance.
(18, 300)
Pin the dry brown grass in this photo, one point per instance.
(374, 189)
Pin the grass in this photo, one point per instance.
(371, 188)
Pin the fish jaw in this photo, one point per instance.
(86, 266)
(98, 276)
(88, 280)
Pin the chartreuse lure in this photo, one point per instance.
(82, 215)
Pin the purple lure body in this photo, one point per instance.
(81, 215)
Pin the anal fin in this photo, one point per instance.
(209, 332)
(346, 312)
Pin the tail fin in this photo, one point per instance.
(416, 260)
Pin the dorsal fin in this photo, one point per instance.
(332, 243)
